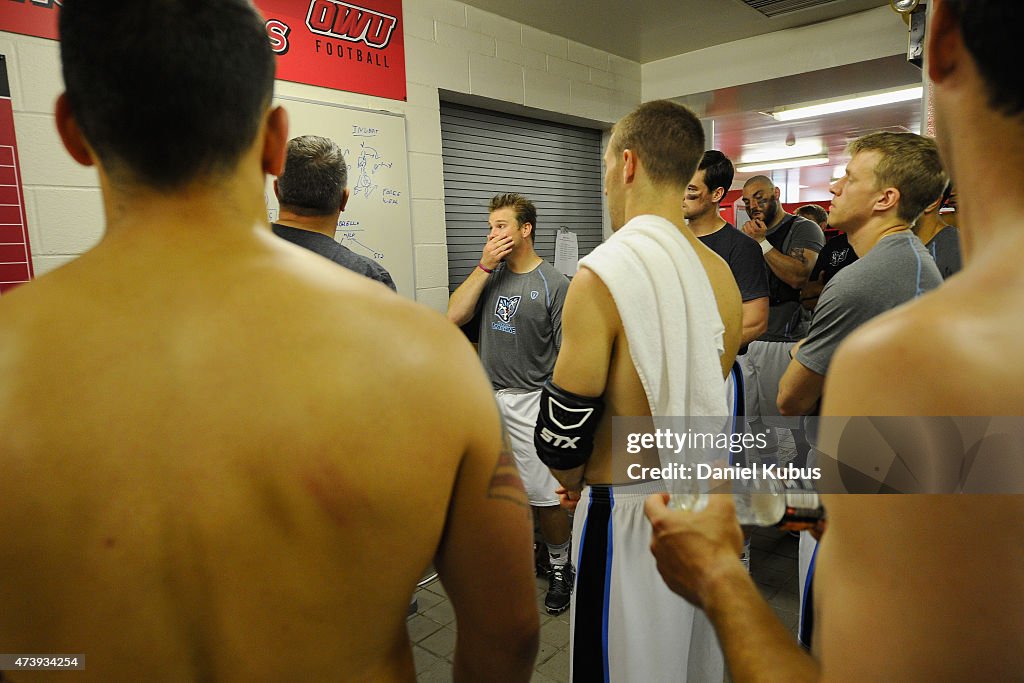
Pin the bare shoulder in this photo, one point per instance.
(894, 364)
(587, 288)
(420, 342)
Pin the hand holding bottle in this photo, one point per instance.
(694, 548)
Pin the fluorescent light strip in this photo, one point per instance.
(782, 163)
(851, 104)
(799, 150)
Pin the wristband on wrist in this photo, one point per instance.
(486, 270)
(766, 246)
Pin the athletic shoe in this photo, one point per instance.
(560, 584)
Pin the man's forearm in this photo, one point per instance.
(463, 301)
(793, 270)
(800, 388)
(570, 479)
(757, 646)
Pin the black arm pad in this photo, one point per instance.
(564, 436)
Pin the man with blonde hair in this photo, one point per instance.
(889, 181)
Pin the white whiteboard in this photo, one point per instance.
(377, 221)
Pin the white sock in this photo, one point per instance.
(559, 554)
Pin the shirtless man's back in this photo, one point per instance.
(213, 442)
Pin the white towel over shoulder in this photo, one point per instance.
(668, 310)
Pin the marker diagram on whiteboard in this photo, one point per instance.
(368, 164)
(376, 222)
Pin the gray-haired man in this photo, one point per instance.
(312, 191)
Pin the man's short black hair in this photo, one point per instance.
(990, 30)
(718, 170)
(314, 178)
(166, 91)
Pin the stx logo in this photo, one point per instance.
(557, 440)
(348, 22)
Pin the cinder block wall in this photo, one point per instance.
(449, 46)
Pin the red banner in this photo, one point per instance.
(15, 257)
(356, 46)
(30, 17)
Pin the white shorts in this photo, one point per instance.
(763, 365)
(808, 548)
(626, 625)
(519, 410)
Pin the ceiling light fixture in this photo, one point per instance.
(775, 164)
(849, 104)
(810, 147)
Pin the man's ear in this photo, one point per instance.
(777, 193)
(275, 141)
(71, 134)
(934, 206)
(344, 200)
(890, 198)
(717, 195)
(943, 43)
(526, 234)
(630, 163)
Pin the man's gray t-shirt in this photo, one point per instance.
(895, 271)
(521, 325)
(785, 317)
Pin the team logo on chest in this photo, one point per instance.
(507, 307)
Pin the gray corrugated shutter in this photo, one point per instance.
(486, 153)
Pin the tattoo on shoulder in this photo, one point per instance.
(505, 482)
(798, 254)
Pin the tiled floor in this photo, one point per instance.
(432, 630)
(773, 563)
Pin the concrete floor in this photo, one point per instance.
(432, 630)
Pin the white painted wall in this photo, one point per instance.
(855, 38)
(448, 46)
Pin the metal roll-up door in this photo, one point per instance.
(486, 153)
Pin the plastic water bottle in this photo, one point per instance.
(789, 504)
